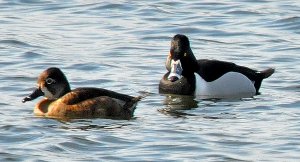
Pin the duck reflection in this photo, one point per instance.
(176, 103)
(88, 124)
(180, 102)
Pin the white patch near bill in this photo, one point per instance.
(47, 93)
(230, 85)
(176, 69)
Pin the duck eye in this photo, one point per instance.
(50, 81)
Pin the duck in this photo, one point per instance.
(207, 78)
(87, 102)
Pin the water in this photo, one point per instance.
(122, 46)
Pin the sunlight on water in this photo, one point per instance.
(122, 46)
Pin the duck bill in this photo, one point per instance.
(35, 94)
(176, 71)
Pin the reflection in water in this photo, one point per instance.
(180, 102)
(88, 124)
(122, 47)
(93, 126)
(176, 106)
(176, 103)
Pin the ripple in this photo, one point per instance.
(290, 24)
(22, 137)
(106, 5)
(123, 46)
(32, 55)
(289, 20)
(30, 2)
(17, 44)
(5, 156)
(85, 66)
(243, 13)
(55, 149)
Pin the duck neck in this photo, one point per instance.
(67, 89)
(64, 91)
(189, 64)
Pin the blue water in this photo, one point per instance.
(122, 46)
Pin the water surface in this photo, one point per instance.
(122, 46)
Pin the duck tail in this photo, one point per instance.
(132, 103)
(262, 75)
(267, 73)
(143, 95)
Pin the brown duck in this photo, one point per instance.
(62, 102)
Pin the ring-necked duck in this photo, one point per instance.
(207, 78)
(62, 102)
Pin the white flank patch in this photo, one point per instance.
(230, 85)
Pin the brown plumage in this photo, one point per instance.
(62, 102)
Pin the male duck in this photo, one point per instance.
(62, 102)
(207, 78)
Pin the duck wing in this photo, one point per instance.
(81, 94)
(211, 70)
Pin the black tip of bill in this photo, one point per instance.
(35, 94)
(26, 99)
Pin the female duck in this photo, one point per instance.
(62, 102)
(207, 78)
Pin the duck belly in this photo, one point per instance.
(229, 85)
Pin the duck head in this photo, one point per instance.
(52, 84)
(181, 58)
(180, 45)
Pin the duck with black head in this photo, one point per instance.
(207, 78)
(62, 102)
